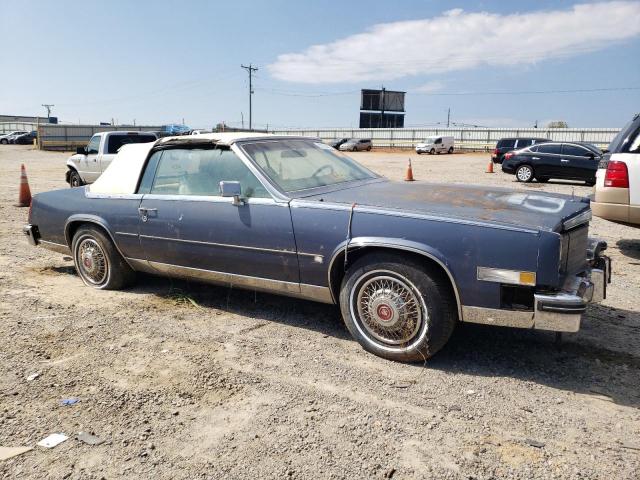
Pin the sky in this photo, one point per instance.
(492, 63)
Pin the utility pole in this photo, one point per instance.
(448, 116)
(250, 69)
(242, 117)
(48, 106)
(382, 108)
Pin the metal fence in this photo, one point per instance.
(7, 127)
(69, 137)
(464, 138)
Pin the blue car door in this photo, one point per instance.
(187, 228)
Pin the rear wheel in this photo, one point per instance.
(450, 150)
(369, 149)
(98, 262)
(524, 173)
(397, 308)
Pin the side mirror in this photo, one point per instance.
(81, 150)
(232, 189)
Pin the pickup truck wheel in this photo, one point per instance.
(74, 179)
(97, 261)
(396, 308)
(524, 173)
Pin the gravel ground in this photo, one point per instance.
(184, 380)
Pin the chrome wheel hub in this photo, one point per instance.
(91, 261)
(389, 309)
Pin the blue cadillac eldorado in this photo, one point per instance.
(290, 215)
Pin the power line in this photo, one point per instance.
(250, 69)
(527, 92)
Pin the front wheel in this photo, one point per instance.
(4, 141)
(432, 151)
(97, 261)
(75, 180)
(524, 173)
(397, 308)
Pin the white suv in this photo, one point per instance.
(617, 189)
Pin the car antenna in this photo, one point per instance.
(346, 247)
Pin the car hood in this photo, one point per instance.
(498, 206)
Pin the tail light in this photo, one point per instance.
(496, 152)
(617, 175)
(508, 155)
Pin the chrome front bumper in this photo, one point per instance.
(562, 311)
(31, 233)
(556, 311)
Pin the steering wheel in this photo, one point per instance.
(324, 167)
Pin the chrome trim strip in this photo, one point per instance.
(115, 196)
(224, 245)
(127, 234)
(211, 199)
(308, 292)
(297, 203)
(56, 247)
(356, 243)
(498, 317)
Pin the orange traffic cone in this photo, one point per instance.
(409, 177)
(24, 198)
(490, 167)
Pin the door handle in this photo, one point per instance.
(145, 212)
(535, 158)
(564, 160)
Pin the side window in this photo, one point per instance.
(200, 171)
(524, 142)
(149, 173)
(94, 145)
(574, 150)
(634, 142)
(534, 148)
(507, 143)
(438, 141)
(549, 148)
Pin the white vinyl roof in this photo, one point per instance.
(121, 176)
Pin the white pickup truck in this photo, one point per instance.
(89, 162)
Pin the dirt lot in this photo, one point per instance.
(191, 381)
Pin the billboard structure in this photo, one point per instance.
(381, 108)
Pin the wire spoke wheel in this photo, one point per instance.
(91, 261)
(388, 308)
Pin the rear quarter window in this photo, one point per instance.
(507, 143)
(627, 138)
(117, 141)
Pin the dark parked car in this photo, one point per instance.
(505, 145)
(290, 215)
(335, 143)
(26, 138)
(559, 160)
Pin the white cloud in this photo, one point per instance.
(429, 87)
(459, 40)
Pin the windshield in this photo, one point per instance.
(301, 164)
